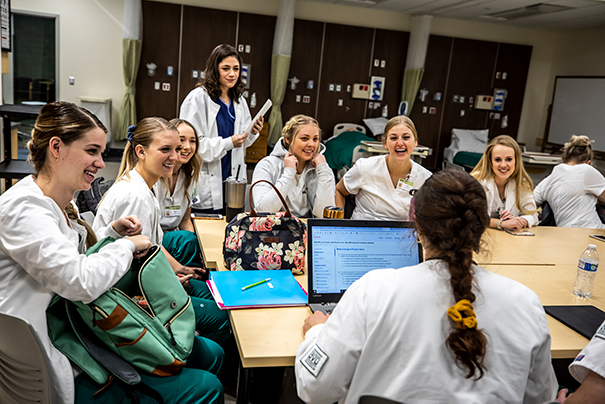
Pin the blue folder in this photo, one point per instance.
(281, 291)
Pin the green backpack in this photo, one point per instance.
(146, 318)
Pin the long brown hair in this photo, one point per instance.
(484, 169)
(210, 80)
(451, 214)
(578, 150)
(194, 165)
(68, 122)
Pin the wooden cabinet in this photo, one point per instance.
(258, 150)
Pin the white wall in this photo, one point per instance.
(90, 50)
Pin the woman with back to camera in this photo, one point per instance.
(42, 249)
(574, 187)
(220, 114)
(382, 184)
(443, 331)
(298, 168)
(175, 196)
(151, 153)
(509, 190)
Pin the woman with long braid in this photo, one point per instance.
(442, 331)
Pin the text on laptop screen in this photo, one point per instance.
(341, 255)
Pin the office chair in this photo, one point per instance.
(24, 370)
(376, 400)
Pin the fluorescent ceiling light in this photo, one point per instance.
(529, 11)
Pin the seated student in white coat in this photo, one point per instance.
(175, 196)
(589, 369)
(298, 169)
(42, 246)
(382, 183)
(219, 114)
(574, 187)
(444, 331)
(509, 189)
(151, 153)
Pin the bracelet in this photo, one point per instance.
(500, 224)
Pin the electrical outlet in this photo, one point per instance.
(348, 88)
(72, 80)
(240, 48)
(425, 109)
(338, 87)
(376, 62)
(306, 99)
(195, 74)
(331, 87)
(370, 105)
(166, 86)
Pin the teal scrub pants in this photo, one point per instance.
(184, 247)
(195, 383)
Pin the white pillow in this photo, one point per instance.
(470, 140)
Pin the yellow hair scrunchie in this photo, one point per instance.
(465, 307)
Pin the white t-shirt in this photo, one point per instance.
(592, 357)
(387, 338)
(376, 198)
(572, 192)
(173, 207)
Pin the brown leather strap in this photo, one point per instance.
(281, 198)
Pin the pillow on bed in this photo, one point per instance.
(468, 140)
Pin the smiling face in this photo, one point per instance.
(228, 70)
(305, 142)
(503, 162)
(188, 143)
(159, 158)
(80, 160)
(400, 142)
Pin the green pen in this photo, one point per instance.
(256, 283)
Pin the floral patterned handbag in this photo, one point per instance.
(265, 241)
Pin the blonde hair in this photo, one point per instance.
(484, 169)
(399, 120)
(144, 133)
(578, 150)
(291, 128)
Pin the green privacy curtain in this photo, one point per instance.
(280, 65)
(131, 55)
(420, 32)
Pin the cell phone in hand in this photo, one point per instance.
(599, 237)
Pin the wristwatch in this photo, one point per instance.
(500, 224)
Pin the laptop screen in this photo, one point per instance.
(342, 251)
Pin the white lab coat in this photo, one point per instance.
(387, 338)
(572, 192)
(171, 218)
(591, 358)
(312, 193)
(39, 258)
(199, 110)
(129, 197)
(494, 202)
(376, 198)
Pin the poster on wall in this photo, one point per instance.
(5, 24)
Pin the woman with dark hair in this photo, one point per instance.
(574, 187)
(220, 114)
(382, 184)
(444, 331)
(509, 189)
(42, 254)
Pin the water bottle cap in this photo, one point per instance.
(594, 247)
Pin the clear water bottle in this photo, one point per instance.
(587, 270)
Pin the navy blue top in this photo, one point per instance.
(225, 123)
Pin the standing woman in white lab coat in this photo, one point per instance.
(509, 189)
(220, 115)
(42, 248)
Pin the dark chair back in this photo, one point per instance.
(376, 400)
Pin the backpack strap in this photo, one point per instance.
(129, 378)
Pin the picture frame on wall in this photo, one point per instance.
(5, 25)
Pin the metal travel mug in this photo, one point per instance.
(333, 212)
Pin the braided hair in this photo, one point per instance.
(291, 128)
(451, 214)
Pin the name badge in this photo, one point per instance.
(404, 185)
(172, 211)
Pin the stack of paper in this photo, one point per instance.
(230, 292)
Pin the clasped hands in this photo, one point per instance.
(509, 221)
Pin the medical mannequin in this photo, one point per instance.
(298, 168)
(382, 184)
(509, 189)
(573, 188)
(434, 332)
(220, 115)
(42, 254)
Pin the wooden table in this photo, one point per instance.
(546, 263)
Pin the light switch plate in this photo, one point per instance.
(383, 63)
(156, 85)
(340, 102)
(338, 87)
(331, 87)
(298, 98)
(248, 48)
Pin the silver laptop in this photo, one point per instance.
(341, 251)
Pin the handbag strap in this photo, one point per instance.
(281, 198)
